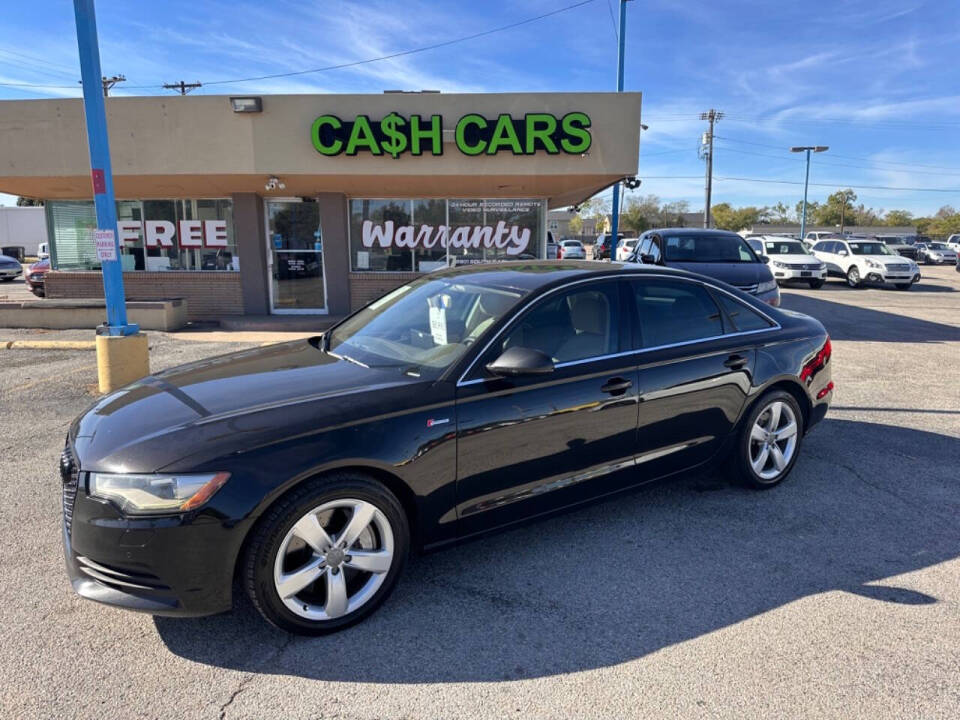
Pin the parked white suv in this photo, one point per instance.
(954, 242)
(860, 261)
(789, 260)
(625, 249)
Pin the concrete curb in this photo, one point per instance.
(48, 345)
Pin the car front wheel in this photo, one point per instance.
(769, 441)
(853, 277)
(326, 555)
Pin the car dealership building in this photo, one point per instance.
(311, 203)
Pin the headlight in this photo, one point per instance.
(766, 286)
(779, 264)
(874, 264)
(153, 494)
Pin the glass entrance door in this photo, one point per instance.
(295, 257)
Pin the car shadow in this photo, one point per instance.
(626, 577)
(853, 322)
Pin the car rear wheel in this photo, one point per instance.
(768, 442)
(853, 277)
(326, 555)
(816, 284)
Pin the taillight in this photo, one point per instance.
(813, 366)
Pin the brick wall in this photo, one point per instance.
(365, 287)
(208, 294)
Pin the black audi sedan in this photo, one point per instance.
(467, 400)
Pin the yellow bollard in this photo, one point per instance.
(121, 359)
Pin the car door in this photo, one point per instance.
(528, 445)
(823, 251)
(695, 364)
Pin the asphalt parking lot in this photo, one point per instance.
(834, 595)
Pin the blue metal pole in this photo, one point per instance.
(615, 210)
(803, 214)
(100, 171)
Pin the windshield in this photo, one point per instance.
(937, 246)
(785, 247)
(707, 249)
(870, 248)
(423, 327)
(572, 243)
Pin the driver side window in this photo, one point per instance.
(574, 325)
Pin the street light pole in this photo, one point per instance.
(122, 354)
(806, 182)
(615, 209)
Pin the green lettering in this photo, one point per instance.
(544, 133)
(575, 125)
(464, 122)
(361, 136)
(434, 134)
(504, 135)
(334, 122)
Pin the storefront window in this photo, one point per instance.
(154, 234)
(421, 235)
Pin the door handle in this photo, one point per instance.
(735, 362)
(616, 386)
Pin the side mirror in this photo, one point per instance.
(842, 253)
(648, 259)
(765, 259)
(515, 361)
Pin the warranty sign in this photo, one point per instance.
(106, 245)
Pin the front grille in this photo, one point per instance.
(70, 477)
(752, 289)
(898, 268)
(803, 266)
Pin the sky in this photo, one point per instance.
(875, 80)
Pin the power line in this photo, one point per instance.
(797, 182)
(616, 32)
(845, 157)
(34, 59)
(182, 87)
(341, 66)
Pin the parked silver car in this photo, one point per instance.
(936, 253)
(572, 250)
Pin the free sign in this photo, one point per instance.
(162, 233)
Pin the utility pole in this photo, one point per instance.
(182, 87)
(803, 213)
(713, 116)
(109, 82)
(122, 354)
(615, 208)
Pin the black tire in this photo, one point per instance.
(268, 535)
(904, 286)
(739, 467)
(816, 284)
(853, 277)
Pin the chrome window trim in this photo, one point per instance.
(775, 325)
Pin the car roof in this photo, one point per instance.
(693, 231)
(534, 275)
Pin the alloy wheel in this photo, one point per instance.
(773, 440)
(853, 277)
(334, 559)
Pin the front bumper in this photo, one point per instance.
(173, 565)
(798, 274)
(892, 278)
(9, 272)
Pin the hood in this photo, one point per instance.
(164, 417)
(739, 274)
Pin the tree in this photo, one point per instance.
(596, 209)
(813, 208)
(671, 214)
(779, 213)
(575, 226)
(898, 218)
(838, 209)
(641, 213)
(726, 217)
(866, 216)
(945, 222)
(945, 212)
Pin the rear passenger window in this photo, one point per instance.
(673, 312)
(743, 318)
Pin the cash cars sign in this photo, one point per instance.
(474, 134)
